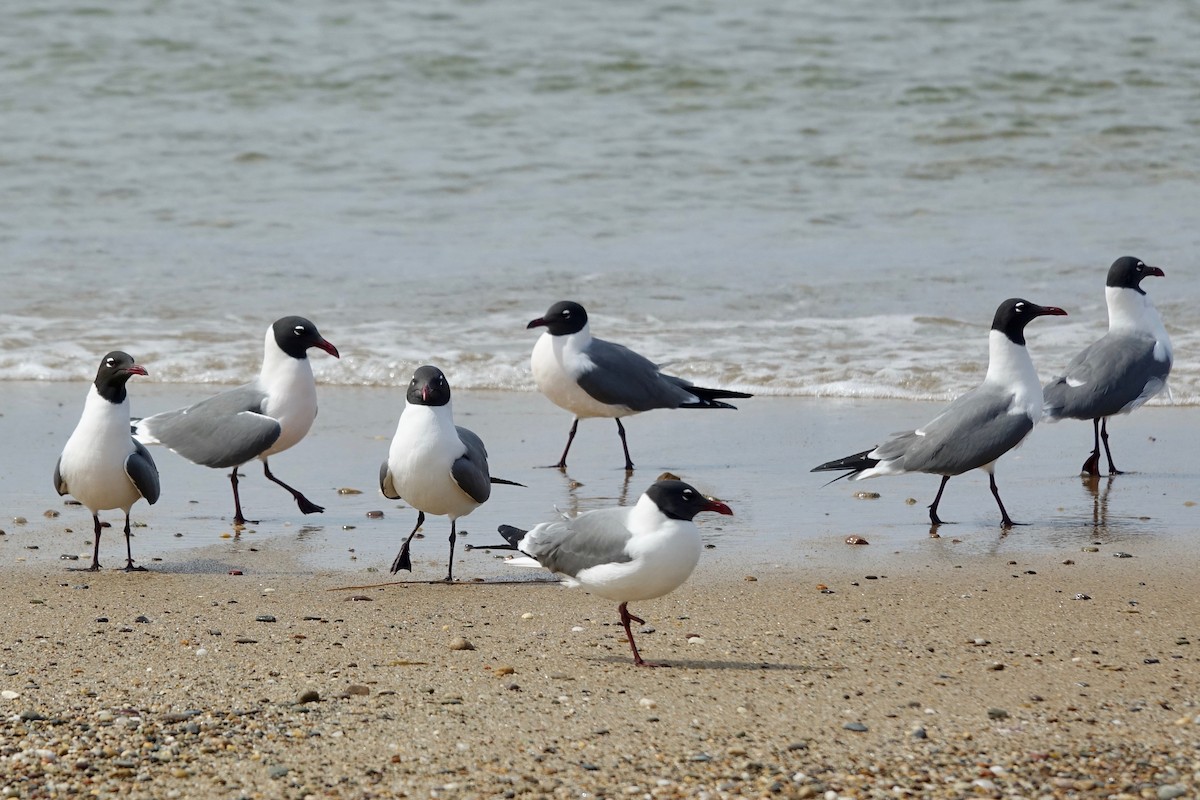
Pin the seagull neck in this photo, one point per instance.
(575, 342)
(280, 370)
(1129, 309)
(645, 516)
(1009, 363)
(103, 419)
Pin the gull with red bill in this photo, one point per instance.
(101, 465)
(1121, 370)
(977, 427)
(257, 420)
(626, 554)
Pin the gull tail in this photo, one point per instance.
(859, 462)
(708, 398)
(512, 536)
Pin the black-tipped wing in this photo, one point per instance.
(621, 377)
(225, 430)
(589, 540)
(470, 471)
(511, 534)
(849, 464)
(139, 466)
(974, 430)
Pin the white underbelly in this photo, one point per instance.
(101, 483)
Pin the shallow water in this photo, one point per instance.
(787, 197)
(757, 459)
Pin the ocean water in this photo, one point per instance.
(783, 196)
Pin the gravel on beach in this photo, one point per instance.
(989, 680)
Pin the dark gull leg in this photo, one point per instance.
(933, 517)
(95, 567)
(1092, 465)
(238, 519)
(1112, 468)
(562, 462)
(402, 559)
(1004, 518)
(129, 567)
(624, 446)
(306, 505)
(626, 618)
(450, 563)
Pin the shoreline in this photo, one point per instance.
(783, 515)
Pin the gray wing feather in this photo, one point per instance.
(224, 430)
(470, 471)
(1115, 374)
(569, 546)
(385, 482)
(141, 470)
(622, 377)
(59, 484)
(974, 430)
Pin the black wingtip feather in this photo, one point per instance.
(708, 398)
(511, 535)
(504, 482)
(854, 463)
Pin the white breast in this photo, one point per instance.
(291, 395)
(665, 551)
(93, 460)
(556, 363)
(423, 450)
(1130, 310)
(1010, 367)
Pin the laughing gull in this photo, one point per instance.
(625, 554)
(979, 426)
(1121, 370)
(257, 420)
(593, 378)
(434, 465)
(101, 465)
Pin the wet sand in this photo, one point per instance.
(1038, 663)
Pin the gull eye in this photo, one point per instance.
(110, 361)
(1140, 266)
(299, 330)
(1020, 307)
(566, 312)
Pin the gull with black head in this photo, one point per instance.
(591, 377)
(257, 420)
(1120, 371)
(435, 466)
(101, 465)
(976, 428)
(625, 554)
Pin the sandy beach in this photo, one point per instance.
(1055, 661)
